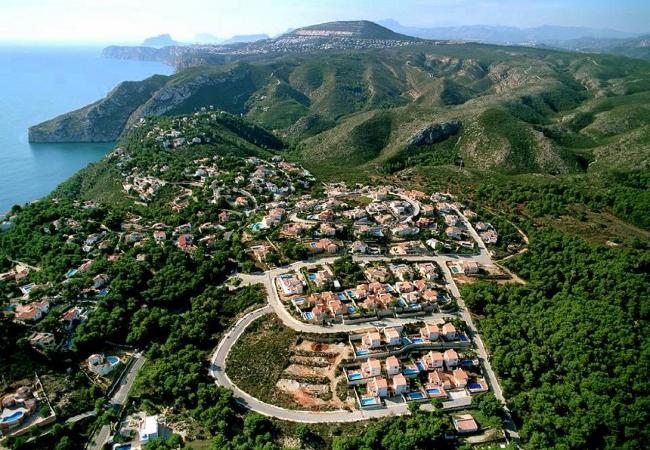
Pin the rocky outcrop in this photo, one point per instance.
(102, 121)
(435, 133)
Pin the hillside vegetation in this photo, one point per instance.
(519, 109)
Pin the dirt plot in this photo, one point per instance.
(310, 380)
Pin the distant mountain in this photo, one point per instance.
(387, 104)
(207, 38)
(637, 47)
(162, 40)
(505, 35)
(242, 38)
(359, 29)
(331, 36)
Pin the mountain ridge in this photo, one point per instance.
(514, 109)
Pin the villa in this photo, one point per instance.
(465, 423)
(404, 286)
(430, 331)
(16, 407)
(460, 377)
(454, 232)
(378, 274)
(392, 336)
(427, 270)
(434, 360)
(290, 284)
(71, 316)
(430, 296)
(100, 364)
(359, 247)
(400, 385)
(42, 341)
(451, 358)
(440, 378)
(402, 272)
(449, 331)
(372, 339)
(371, 368)
(148, 430)
(327, 230)
(392, 365)
(378, 387)
(32, 312)
(470, 267)
(489, 237)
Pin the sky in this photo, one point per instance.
(129, 21)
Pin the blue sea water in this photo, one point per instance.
(37, 84)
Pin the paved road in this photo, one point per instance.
(117, 399)
(217, 367)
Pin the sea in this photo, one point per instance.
(39, 83)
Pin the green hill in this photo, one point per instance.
(519, 109)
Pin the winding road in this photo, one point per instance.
(219, 357)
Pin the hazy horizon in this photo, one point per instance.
(67, 22)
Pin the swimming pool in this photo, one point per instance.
(401, 302)
(351, 309)
(311, 276)
(353, 376)
(410, 371)
(368, 401)
(433, 391)
(308, 315)
(13, 418)
(362, 352)
(420, 366)
(71, 273)
(418, 340)
(415, 395)
(256, 226)
(298, 301)
(455, 269)
(463, 338)
(342, 296)
(113, 360)
(475, 386)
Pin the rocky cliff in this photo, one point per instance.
(102, 121)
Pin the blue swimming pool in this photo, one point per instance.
(298, 301)
(410, 371)
(463, 338)
(113, 360)
(103, 293)
(401, 302)
(455, 269)
(311, 276)
(362, 352)
(474, 386)
(15, 417)
(353, 376)
(256, 226)
(71, 273)
(351, 309)
(433, 391)
(350, 294)
(418, 340)
(415, 395)
(308, 316)
(420, 366)
(368, 401)
(341, 296)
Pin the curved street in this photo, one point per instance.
(219, 357)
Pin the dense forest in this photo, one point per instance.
(571, 346)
